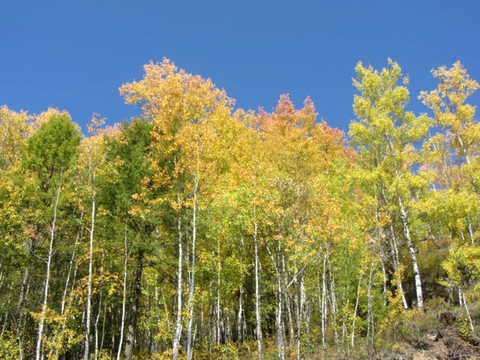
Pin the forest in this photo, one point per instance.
(202, 231)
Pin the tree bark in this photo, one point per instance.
(258, 317)
(178, 326)
(324, 300)
(413, 256)
(136, 299)
(38, 349)
(90, 275)
(355, 310)
(396, 267)
(124, 293)
(191, 290)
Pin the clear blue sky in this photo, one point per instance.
(74, 54)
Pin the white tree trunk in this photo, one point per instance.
(396, 267)
(413, 256)
(191, 290)
(258, 317)
(355, 310)
(90, 274)
(65, 290)
(178, 326)
(369, 310)
(466, 309)
(41, 324)
(300, 318)
(324, 301)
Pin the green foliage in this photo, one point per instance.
(8, 346)
(463, 265)
(52, 148)
(360, 218)
(127, 174)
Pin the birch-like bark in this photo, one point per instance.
(41, 324)
(218, 322)
(288, 306)
(279, 313)
(90, 275)
(324, 301)
(191, 290)
(258, 317)
(178, 326)
(280, 341)
(355, 311)
(241, 325)
(460, 290)
(300, 318)
(70, 268)
(413, 256)
(384, 275)
(333, 297)
(396, 266)
(369, 310)
(240, 317)
(411, 249)
(67, 281)
(96, 353)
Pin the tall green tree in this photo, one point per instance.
(125, 192)
(51, 151)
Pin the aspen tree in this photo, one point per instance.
(385, 135)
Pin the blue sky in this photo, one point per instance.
(74, 55)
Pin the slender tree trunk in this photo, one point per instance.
(279, 313)
(396, 266)
(300, 318)
(20, 312)
(240, 316)
(384, 275)
(258, 317)
(23, 290)
(96, 326)
(124, 294)
(470, 230)
(90, 275)
(288, 307)
(333, 297)
(288, 303)
(344, 330)
(65, 289)
(135, 302)
(99, 311)
(280, 341)
(324, 300)
(413, 256)
(462, 294)
(103, 330)
(178, 326)
(356, 310)
(38, 349)
(241, 326)
(70, 268)
(191, 292)
(369, 311)
(218, 322)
